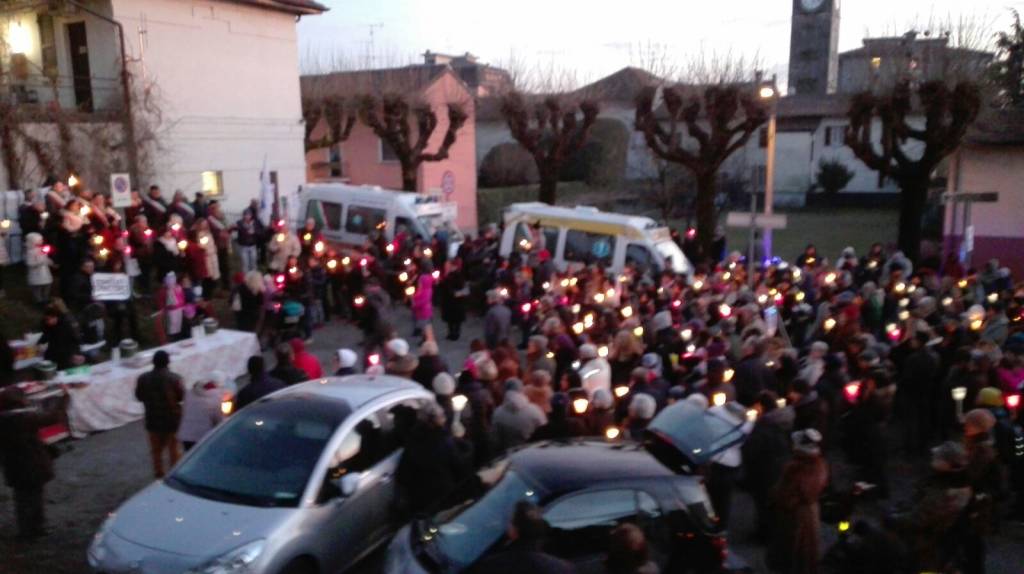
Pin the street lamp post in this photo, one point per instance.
(769, 94)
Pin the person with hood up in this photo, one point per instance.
(804, 478)
(60, 335)
(537, 358)
(516, 419)
(38, 264)
(304, 360)
(347, 361)
(443, 386)
(201, 410)
(497, 320)
(655, 384)
(596, 373)
(26, 462)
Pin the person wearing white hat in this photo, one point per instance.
(347, 360)
(201, 409)
(396, 348)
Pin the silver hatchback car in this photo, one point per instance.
(299, 482)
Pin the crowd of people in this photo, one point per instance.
(853, 359)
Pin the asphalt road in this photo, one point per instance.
(103, 470)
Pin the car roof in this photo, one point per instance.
(559, 467)
(581, 213)
(364, 193)
(356, 390)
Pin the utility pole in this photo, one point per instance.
(372, 47)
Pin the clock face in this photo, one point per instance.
(811, 5)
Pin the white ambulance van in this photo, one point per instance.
(348, 214)
(584, 235)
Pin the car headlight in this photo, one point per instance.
(97, 551)
(235, 562)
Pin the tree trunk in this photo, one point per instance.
(548, 187)
(913, 198)
(408, 177)
(707, 184)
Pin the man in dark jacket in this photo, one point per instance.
(753, 375)
(285, 370)
(524, 552)
(27, 464)
(432, 465)
(765, 455)
(919, 386)
(161, 391)
(260, 383)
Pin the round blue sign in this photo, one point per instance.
(601, 249)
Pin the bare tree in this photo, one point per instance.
(391, 118)
(947, 115)
(718, 119)
(550, 131)
(1008, 68)
(337, 112)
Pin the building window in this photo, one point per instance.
(47, 45)
(387, 153)
(876, 63)
(363, 220)
(335, 161)
(835, 136)
(213, 183)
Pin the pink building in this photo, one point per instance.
(990, 163)
(363, 159)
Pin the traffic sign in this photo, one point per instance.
(448, 182)
(120, 190)
(763, 221)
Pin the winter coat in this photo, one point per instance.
(62, 342)
(496, 324)
(811, 412)
(289, 374)
(24, 457)
(795, 547)
(258, 389)
(596, 374)
(560, 427)
(200, 412)
(431, 467)
(752, 376)
(280, 251)
(37, 262)
(422, 300)
(166, 257)
(429, 367)
(939, 503)
(305, 361)
(515, 421)
(210, 256)
(160, 391)
(766, 452)
(453, 298)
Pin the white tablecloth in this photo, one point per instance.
(108, 400)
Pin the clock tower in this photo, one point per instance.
(814, 47)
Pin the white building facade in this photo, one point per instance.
(216, 83)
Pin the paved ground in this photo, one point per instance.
(105, 469)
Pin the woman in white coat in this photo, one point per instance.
(38, 264)
(201, 409)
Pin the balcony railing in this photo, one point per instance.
(34, 94)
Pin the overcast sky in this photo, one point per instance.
(598, 37)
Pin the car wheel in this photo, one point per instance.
(300, 566)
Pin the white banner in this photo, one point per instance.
(111, 286)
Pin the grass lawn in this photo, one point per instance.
(831, 231)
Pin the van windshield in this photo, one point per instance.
(670, 252)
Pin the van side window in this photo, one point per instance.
(584, 247)
(364, 220)
(524, 239)
(639, 256)
(327, 214)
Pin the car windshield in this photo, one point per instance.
(669, 250)
(690, 436)
(264, 455)
(463, 538)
